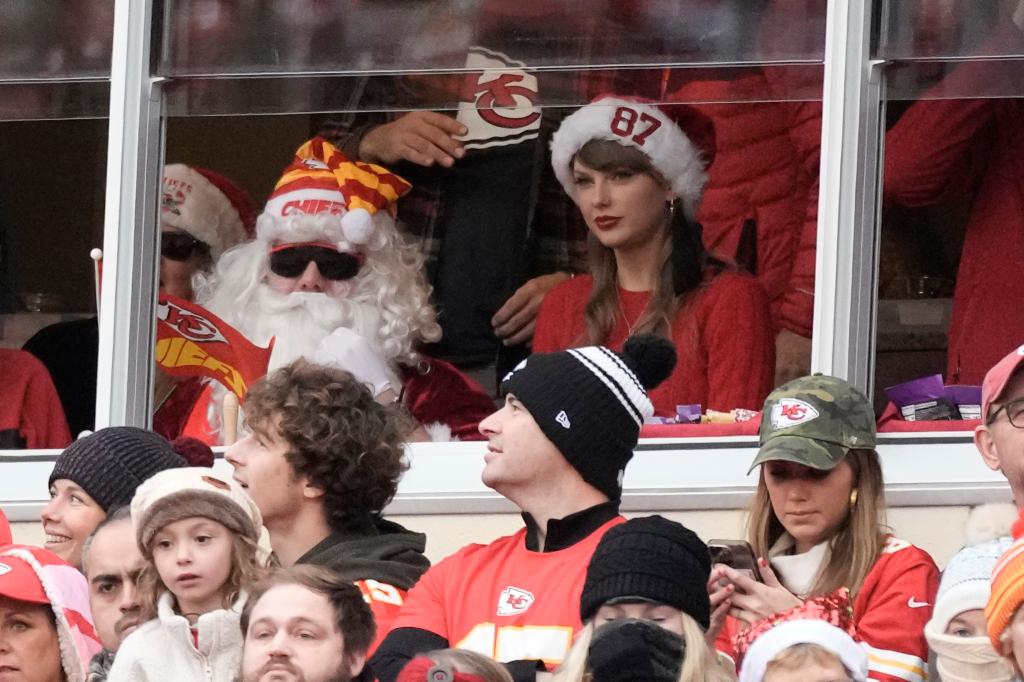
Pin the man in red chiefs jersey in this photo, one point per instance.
(558, 450)
(322, 461)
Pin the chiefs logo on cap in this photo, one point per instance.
(790, 412)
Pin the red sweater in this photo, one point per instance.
(30, 412)
(723, 337)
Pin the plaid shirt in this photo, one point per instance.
(556, 234)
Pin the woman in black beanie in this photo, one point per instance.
(94, 476)
(645, 609)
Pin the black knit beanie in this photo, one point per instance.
(653, 559)
(109, 464)
(630, 650)
(590, 402)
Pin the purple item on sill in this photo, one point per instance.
(967, 400)
(659, 420)
(688, 414)
(922, 399)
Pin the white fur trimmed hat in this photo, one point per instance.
(175, 494)
(208, 206)
(678, 139)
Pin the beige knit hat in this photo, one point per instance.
(177, 494)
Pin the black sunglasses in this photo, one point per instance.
(180, 246)
(291, 260)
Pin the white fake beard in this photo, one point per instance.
(300, 320)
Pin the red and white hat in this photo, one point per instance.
(678, 139)
(35, 575)
(998, 377)
(322, 180)
(208, 206)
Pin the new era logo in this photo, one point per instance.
(514, 601)
(563, 419)
(790, 412)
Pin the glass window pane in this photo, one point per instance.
(51, 217)
(48, 39)
(499, 219)
(287, 36)
(952, 206)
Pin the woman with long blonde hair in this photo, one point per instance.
(817, 525)
(645, 609)
(636, 171)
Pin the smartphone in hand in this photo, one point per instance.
(736, 554)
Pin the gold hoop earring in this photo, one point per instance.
(853, 499)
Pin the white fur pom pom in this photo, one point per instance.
(990, 521)
(357, 225)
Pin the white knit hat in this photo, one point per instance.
(809, 631)
(677, 139)
(965, 583)
(175, 494)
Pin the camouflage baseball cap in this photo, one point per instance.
(814, 421)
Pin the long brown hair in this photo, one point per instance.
(246, 570)
(680, 265)
(858, 541)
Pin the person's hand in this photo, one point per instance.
(720, 591)
(420, 137)
(792, 356)
(517, 318)
(751, 600)
(350, 351)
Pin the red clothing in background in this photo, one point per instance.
(954, 149)
(30, 411)
(723, 337)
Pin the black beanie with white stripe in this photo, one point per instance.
(590, 402)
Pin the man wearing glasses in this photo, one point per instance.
(329, 278)
(1000, 438)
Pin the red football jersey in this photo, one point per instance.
(504, 601)
(385, 601)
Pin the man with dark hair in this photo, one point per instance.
(112, 564)
(558, 450)
(305, 623)
(321, 463)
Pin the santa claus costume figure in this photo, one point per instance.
(329, 278)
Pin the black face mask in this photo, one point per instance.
(631, 650)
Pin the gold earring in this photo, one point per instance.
(853, 499)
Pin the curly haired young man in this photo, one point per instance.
(322, 461)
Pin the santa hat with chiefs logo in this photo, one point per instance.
(208, 206)
(323, 182)
(678, 140)
(37, 576)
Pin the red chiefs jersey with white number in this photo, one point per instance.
(385, 601)
(889, 613)
(504, 601)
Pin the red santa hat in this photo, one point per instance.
(208, 206)
(322, 180)
(678, 139)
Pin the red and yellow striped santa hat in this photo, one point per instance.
(1007, 592)
(322, 180)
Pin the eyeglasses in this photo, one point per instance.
(180, 246)
(1014, 413)
(291, 260)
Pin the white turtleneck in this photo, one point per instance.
(797, 572)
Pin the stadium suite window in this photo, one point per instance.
(953, 82)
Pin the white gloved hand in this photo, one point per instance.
(350, 351)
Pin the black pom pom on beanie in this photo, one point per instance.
(651, 559)
(591, 402)
(109, 464)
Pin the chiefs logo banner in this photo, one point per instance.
(191, 341)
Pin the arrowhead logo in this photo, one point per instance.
(790, 412)
(514, 601)
(563, 419)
